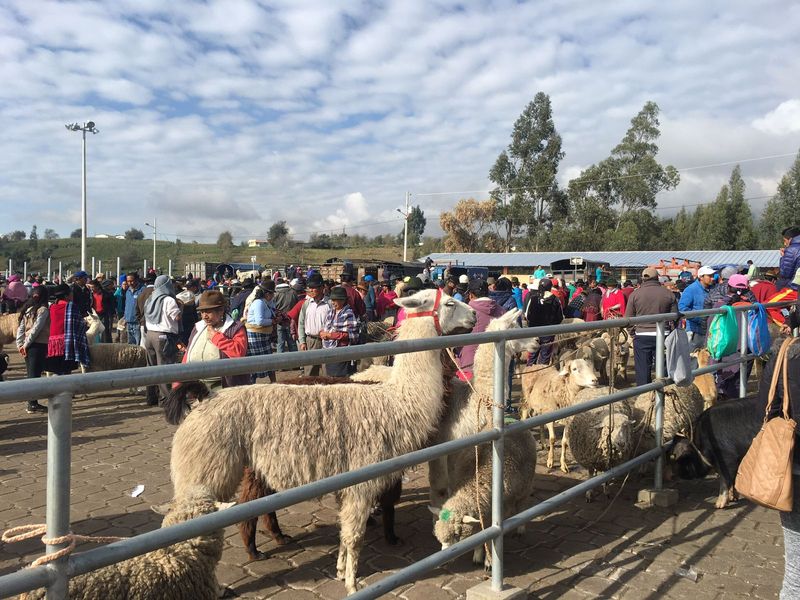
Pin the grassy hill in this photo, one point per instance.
(133, 252)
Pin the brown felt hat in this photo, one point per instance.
(210, 300)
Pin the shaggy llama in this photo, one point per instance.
(293, 435)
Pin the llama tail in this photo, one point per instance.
(178, 403)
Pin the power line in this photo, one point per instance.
(631, 176)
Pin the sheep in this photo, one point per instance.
(682, 407)
(8, 328)
(459, 515)
(186, 570)
(619, 368)
(293, 435)
(111, 357)
(554, 389)
(705, 383)
(595, 350)
(600, 438)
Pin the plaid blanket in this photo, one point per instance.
(76, 346)
(259, 344)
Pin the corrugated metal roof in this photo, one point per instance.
(529, 260)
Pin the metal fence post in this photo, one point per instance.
(498, 419)
(659, 408)
(743, 352)
(59, 459)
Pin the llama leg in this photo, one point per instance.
(387, 501)
(564, 466)
(551, 441)
(353, 516)
(251, 490)
(722, 499)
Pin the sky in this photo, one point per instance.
(235, 114)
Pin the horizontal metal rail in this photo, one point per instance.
(110, 380)
(28, 579)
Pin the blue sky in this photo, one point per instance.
(234, 114)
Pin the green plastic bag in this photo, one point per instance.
(723, 334)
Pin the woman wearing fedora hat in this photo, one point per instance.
(217, 336)
(341, 329)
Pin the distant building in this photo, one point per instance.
(119, 237)
(102, 236)
(257, 243)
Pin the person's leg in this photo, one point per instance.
(34, 365)
(150, 343)
(546, 349)
(166, 350)
(313, 343)
(643, 354)
(106, 319)
(133, 333)
(790, 522)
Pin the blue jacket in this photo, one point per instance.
(695, 297)
(504, 299)
(517, 292)
(790, 262)
(130, 303)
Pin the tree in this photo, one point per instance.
(740, 219)
(416, 225)
(278, 234)
(76, 233)
(631, 177)
(131, 234)
(33, 238)
(469, 227)
(225, 240)
(782, 209)
(50, 234)
(15, 236)
(527, 192)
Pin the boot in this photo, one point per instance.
(34, 407)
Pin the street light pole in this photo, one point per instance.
(90, 127)
(405, 229)
(155, 230)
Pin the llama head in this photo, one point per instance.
(453, 316)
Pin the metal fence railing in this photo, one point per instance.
(61, 390)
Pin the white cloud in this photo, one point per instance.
(236, 114)
(783, 120)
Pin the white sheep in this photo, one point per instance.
(600, 438)
(186, 570)
(242, 275)
(291, 435)
(459, 516)
(553, 389)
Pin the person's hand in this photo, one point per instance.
(23, 352)
(785, 330)
(303, 347)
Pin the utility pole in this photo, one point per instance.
(155, 231)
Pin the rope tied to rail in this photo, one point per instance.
(26, 532)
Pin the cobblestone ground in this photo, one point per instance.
(597, 550)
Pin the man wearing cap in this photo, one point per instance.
(312, 318)
(217, 336)
(696, 297)
(81, 295)
(650, 298)
(341, 329)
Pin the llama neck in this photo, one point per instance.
(417, 374)
(483, 369)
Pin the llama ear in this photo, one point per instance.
(414, 301)
(469, 519)
(162, 509)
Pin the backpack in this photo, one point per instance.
(723, 334)
(759, 339)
